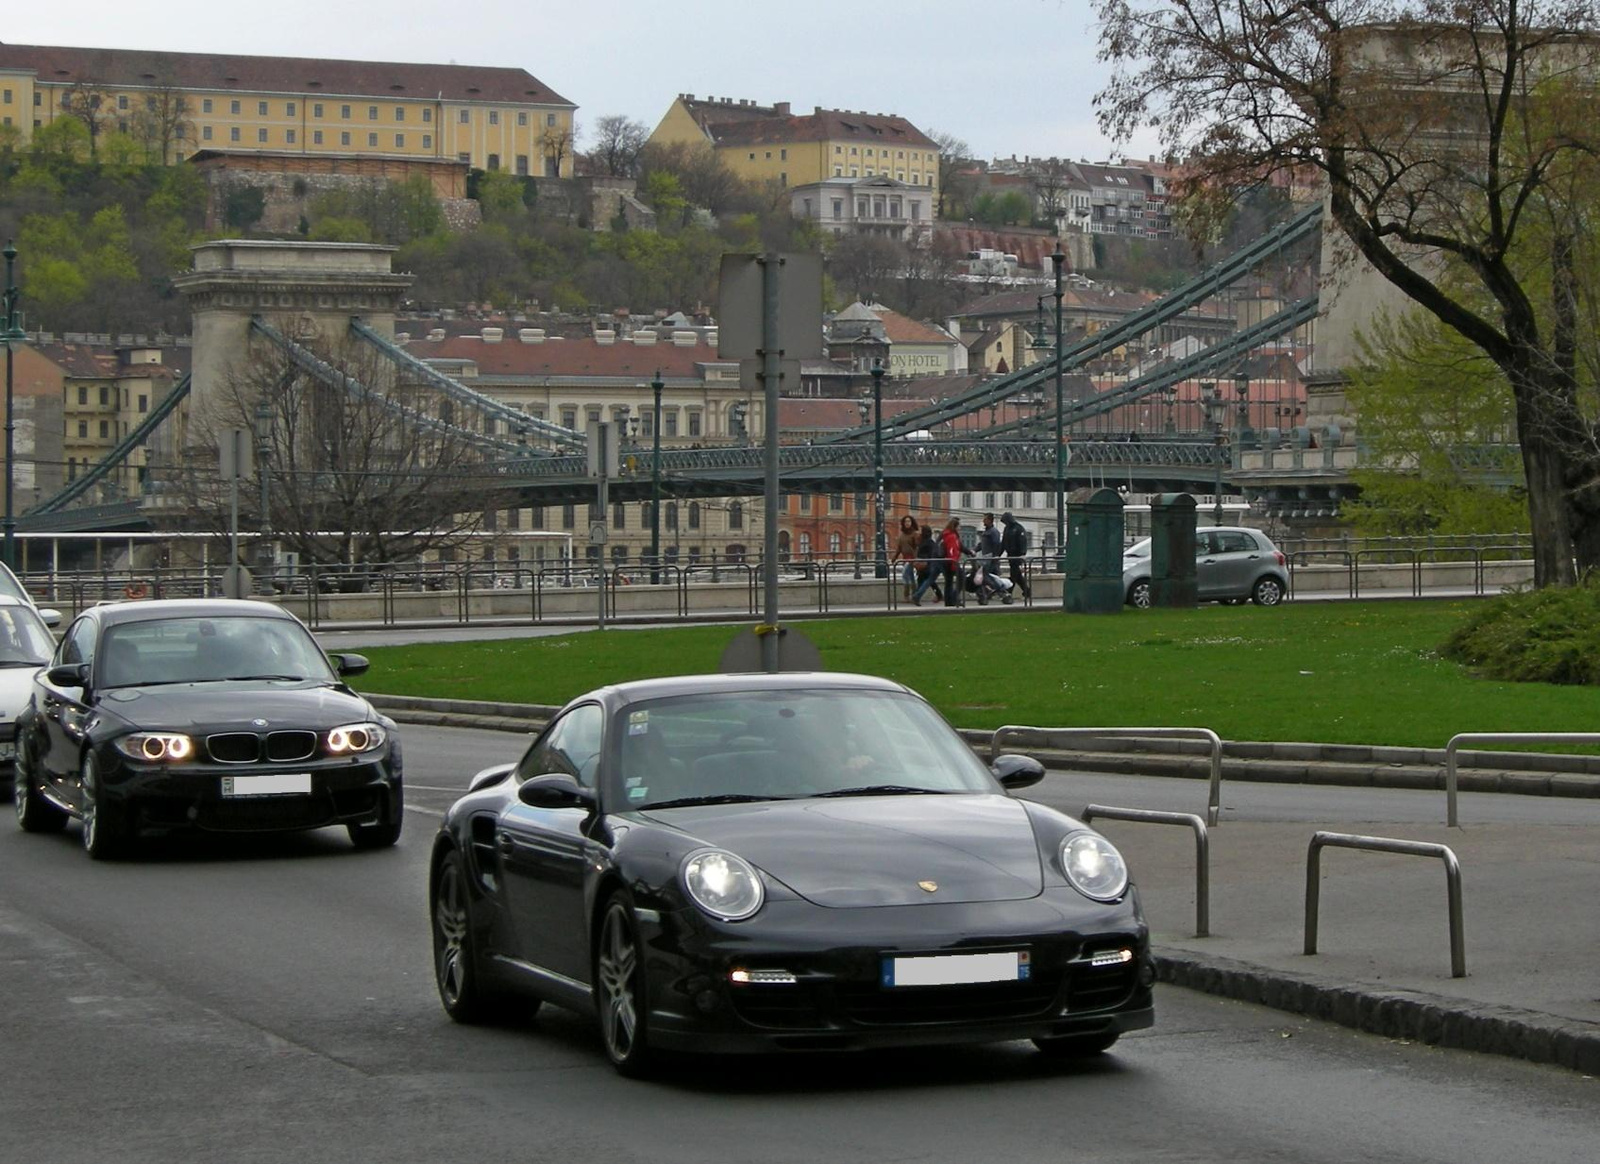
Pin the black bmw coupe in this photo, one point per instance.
(768, 862)
(202, 714)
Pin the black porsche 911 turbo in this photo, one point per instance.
(770, 862)
(208, 714)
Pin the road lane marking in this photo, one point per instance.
(410, 787)
(428, 811)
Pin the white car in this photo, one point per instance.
(25, 646)
(11, 588)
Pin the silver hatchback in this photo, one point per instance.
(1232, 564)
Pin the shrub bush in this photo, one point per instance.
(1538, 636)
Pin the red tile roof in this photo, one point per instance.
(902, 329)
(305, 76)
(569, 357)
(823, 125)
(814, 414)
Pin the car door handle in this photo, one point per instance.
(506, 842)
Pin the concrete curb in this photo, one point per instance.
(1394, 1014)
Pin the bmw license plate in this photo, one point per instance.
(956, 969)
(277, 784)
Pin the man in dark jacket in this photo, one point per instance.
(1014, 541)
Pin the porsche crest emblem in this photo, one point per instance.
(928, 886)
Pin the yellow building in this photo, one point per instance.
(177, 103)
(768, 143)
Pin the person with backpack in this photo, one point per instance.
(1014, 542)
(930, 565)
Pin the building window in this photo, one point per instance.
(205, 105)
(427, 115)
(399, 141)
(494, 117)
(288, 136)
(694, 424)
(233, 134)
(549, 119)
(835, 543)
(144, 402)
(836, 503)
(838, 207)
(205, 133)
(399, 112)
(463, 156)
(83, 428)
(122, 102)
(344, 112)
(569, 418)
(427, 141)
(669, 422)
(694, 515)
(372, 113)
(235, 108)
(569, 517)
(466, 116)
(522, 117)
(736, 515)
(83, 394)
(38, 97)
(344, 139)
(316, 137)
(493, 162)
(522, 164)
(316, 110)
(372, 140)
(592, 414)
(105, 428)
(619, 516)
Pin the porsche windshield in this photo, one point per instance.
(771, 745)
(203, 650)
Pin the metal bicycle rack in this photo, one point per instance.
(1214, 800)
(1202, 851)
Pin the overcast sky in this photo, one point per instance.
(1006, 76)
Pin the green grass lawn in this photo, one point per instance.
(1333, 672)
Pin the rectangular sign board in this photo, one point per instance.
(236, 455)
(740, 303)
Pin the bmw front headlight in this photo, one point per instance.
(354, 738)
(1093, 866)
(725, 886)
(156, 747)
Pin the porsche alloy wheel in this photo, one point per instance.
(453, 955)
(618, 983)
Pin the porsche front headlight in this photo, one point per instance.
(1093, 866)
(354, 738)
(724, 885)
(156, 747)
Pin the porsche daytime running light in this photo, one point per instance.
(354, 738)
(1094, 867)
(725, 886)
(156, 747)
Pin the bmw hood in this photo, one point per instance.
(883, 850)
(198, 708)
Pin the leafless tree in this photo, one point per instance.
(617, 142)
(163, 125)
(955, 157)
(1051, 178)
(366, 469)
(91, 103)
(705, 180)
(555, 146)
(1458, 140)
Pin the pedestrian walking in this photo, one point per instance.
(1014, 541)
(950, 540)
(930, 565)
(905, 550)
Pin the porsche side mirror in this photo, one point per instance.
(1015, 771)
(50, 616)
(68, 675)
(350, 664)
(490, 776)
(555, 790)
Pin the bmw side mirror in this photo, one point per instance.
(350, 664)
(490, 776)
(1015, 771)
(68, 675)
(51, 617)
(555, 790)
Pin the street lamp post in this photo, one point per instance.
(12, 334)
(1215, 406)
(263, 455)
(880, 543)
(656, 386)
(1056, 259)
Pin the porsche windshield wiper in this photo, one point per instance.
(263, 678)
(883, 790)
(723, 798)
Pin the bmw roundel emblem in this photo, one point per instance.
(258, 723)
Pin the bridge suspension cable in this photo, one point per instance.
(518, 420)
(1103, 342)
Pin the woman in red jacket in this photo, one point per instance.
(950, 542)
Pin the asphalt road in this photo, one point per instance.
(271, 999)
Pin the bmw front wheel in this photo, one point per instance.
(103, 830)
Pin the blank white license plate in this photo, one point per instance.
(277, 784)
(956, 969)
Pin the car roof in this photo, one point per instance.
(640, 690)
(144, 610)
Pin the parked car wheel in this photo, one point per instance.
(1267, 592)
(1139, 594)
